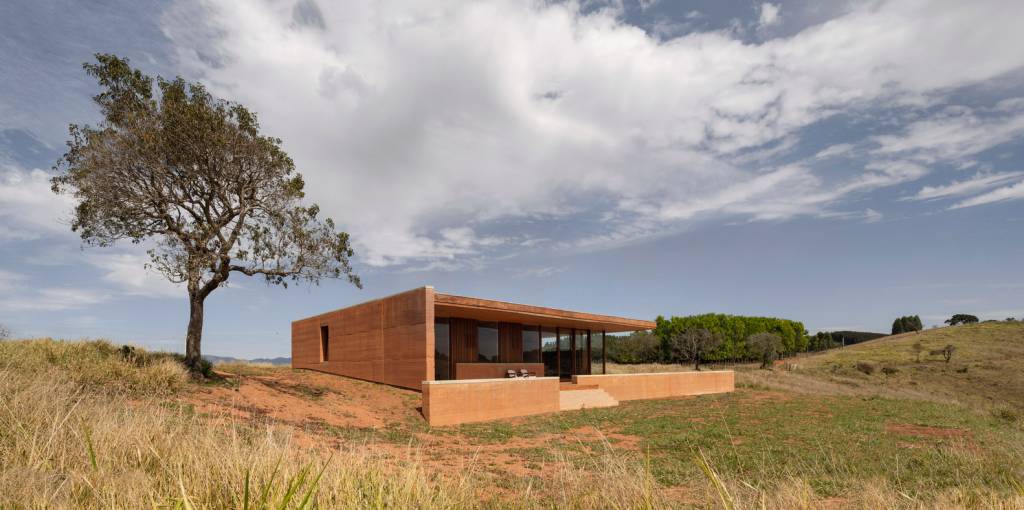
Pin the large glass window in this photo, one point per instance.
(582, 357)
(531, 344)
(597, 352)
(564, 352)
(549, 351)
(487, 342)
(442, 350)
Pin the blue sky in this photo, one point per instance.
(840, 164)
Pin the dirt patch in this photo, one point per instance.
(299, 398)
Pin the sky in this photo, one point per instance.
(837, 163)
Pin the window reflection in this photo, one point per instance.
(597, 352)
(531, 344)
(549, 351)
(487, 342)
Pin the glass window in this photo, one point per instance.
(325, 344)
(564, 352)
(487, 342)
(531, 344)
(442, 350)
(549, 351)
(582, 356)
(597, 352)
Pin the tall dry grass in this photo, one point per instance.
(86, 425)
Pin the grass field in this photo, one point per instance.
(816, 432)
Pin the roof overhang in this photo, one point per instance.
(447, 305)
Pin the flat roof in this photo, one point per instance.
(448, 305)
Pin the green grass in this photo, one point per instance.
(832, 442)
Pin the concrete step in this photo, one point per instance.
(585, 398)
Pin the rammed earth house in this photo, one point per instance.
(458, 351)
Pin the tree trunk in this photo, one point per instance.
(194, 335)
(696, 363)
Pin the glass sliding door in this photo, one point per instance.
(549, 351)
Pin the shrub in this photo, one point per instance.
(865, 367)
(890, 370)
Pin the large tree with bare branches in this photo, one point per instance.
(190, 176)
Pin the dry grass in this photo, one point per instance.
(83, 427)
(984, 373)
(87, 425)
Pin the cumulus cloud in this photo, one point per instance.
(408, 119)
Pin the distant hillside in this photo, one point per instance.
(853, 337)
(228, 359)
(984, 371)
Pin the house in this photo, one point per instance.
(459, 351)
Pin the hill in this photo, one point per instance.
(985, 371)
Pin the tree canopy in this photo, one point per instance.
(961, 318)
(734, 330)
(907, 324)
(190, 177)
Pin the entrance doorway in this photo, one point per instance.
(573, 353)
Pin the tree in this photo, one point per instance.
(691, 344)
(191, 177)
(4, 332)
(961, 318)
(637, 347)
(906, 324)
(766, 346)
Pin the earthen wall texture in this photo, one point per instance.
(454, 402)
(388, 340)
(661, 385)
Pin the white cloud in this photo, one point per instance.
(1013, 192)
(408, 118)
(979, 182)
(956, 133)
(127, 272)
(28, 209)
(18, 296)
(769, 15)
(832, 151)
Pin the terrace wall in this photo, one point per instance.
(476, 400)
(661, 385)
(388, 340)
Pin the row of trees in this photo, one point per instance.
(713, 337)
(734, 330)
(907, 324)
(695, 344)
